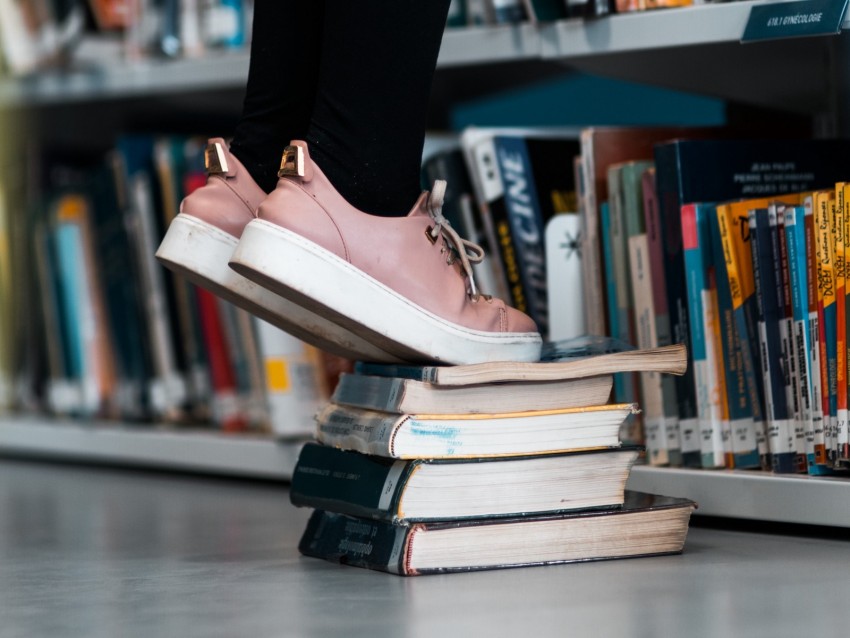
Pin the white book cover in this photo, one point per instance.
(293, 391)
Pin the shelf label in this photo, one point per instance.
(794, 19)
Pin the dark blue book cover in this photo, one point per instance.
(780, 431)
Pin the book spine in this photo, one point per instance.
(370, 434)
(595, 309)
(355, 541)
(845, 435)
(819, 418)
(780, 445)
(687, 430)
(738, 397)
(348, 482)
(667, 172)
(840, 321)
(786, 326)
(826, 313)
(738, 259)
(701, 306)
(225, 406)
(526, 224)
(385, 394)
(652, 404)
(494, 208)
(795, 232)
(292, 389)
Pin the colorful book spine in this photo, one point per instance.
(819, 417)
(688, 426)
(702, 307)
(795, 231)
(632, 431)
(824, 201)
(844, 443)
(526, 224)
(839, 237)
(786, 330)
(652, 401)
(743, 411)
(735, 238)
(780, 431)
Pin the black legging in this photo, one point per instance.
(353, 79)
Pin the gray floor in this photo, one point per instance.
(107, 553)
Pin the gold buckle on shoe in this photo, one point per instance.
(215, 160)
(292, 162)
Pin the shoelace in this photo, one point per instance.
(469, 252)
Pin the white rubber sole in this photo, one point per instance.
(200, 251)
(296, 268)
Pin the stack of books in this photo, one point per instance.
(439, 469)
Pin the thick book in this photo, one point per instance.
(646, 525)
(409, 436)
(421, 490)
(572, 359)
(395, 394)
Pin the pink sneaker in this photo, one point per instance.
(405, 283)
(201, 239)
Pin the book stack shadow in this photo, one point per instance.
(422, 470)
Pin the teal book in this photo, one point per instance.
(624, 389)
(795, 233)
(426, 489)
(646, 525)
(780, 426)
(702, 306)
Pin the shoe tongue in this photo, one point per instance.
(420, 208)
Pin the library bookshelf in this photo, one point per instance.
(695, 49)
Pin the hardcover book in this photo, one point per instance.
(408, 436)
(421, 490)
(646, 525)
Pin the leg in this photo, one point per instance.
(335, 235)
(282, 79)
(368, 123)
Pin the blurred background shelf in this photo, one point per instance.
(147, 446)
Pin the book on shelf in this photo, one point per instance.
(646, 525)
(715, 430)
(564, 279)
(293, 389)
(400, 395)
(686, 428)
(468, 435)
(602, 147)
(742, 406)
(520, 179)
(414, 490)
(780, 433)
(689, 171)
(795, 231)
